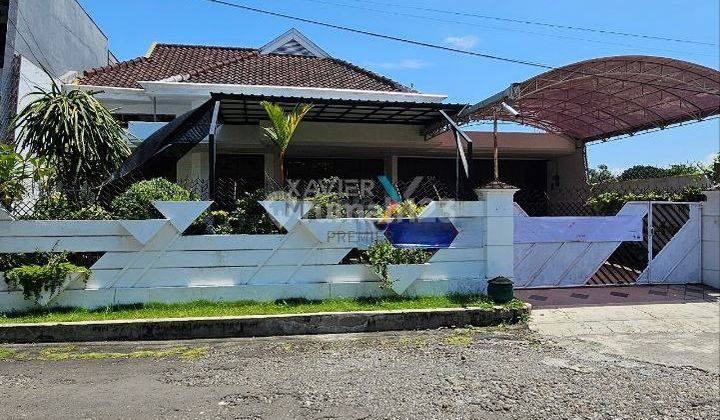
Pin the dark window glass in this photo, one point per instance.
(524, 174)
(319, 168)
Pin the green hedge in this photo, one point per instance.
(136, 202)
(610, 203)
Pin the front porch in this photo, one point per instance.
(350, 140)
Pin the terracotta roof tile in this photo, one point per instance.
(229, 65)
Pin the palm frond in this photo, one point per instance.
(282, 126)
(73, 132)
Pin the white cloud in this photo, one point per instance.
(405, 64)
(617, 171)
(709, 159)
(465, 42)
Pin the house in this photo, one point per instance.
(41, 40)
(362, 124)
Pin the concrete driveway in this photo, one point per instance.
(673, 334)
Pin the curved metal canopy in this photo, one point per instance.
(608, 97)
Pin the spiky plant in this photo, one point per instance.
(282, 128)
(74, 133)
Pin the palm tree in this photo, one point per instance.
(282, 127)
(74, 133)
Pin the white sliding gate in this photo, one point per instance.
(645, 243)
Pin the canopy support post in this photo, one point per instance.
(496, 160)
(212, 157)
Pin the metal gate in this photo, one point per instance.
(645, 243)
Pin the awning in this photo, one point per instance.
(180, 135)
(246, 109)
(608, 97)
(175, 138)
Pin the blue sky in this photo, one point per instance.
(132, 25)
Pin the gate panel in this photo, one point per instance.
(675, 256)
(647, 242)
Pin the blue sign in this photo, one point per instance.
(422, 233)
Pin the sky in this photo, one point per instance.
(133, 25)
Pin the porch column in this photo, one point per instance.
(391, 168)
(498, 230)
(272, 170)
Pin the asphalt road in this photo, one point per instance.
(471, 374)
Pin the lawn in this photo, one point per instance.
(207, 308)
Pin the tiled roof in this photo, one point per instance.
(245, 66)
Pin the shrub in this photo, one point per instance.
(34, 279)
(247, 217)
(59, 207)
(10, 261)
(136, 202)
(382, 253)
(328, 205)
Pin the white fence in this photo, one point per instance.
(150, 260)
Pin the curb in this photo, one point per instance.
(258, 326)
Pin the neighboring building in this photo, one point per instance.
(363, 124)
(40, 39)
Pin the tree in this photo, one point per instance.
(282, 127)
(684, 169)
(712, 170)
(601, 174)
(642, 172)
(17, 172)
(74, 133)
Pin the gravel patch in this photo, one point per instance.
(463, 374)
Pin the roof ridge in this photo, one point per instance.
(372, 74)
(204, 69)
(119, 64)
(220, 47)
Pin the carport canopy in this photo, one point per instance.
(607, 97)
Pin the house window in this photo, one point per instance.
(244, 172)
(524, 174)
(319, 168)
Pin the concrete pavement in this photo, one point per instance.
(673, 334)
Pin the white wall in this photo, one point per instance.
(566, 172)
(31, 77)
(711, 239)
(150, 260)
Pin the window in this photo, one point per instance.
(318, 168)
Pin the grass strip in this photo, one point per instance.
(238, 308)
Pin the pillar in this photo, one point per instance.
(498, 229)
(711, 239)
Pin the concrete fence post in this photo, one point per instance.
(499, 230)
(711, 239)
